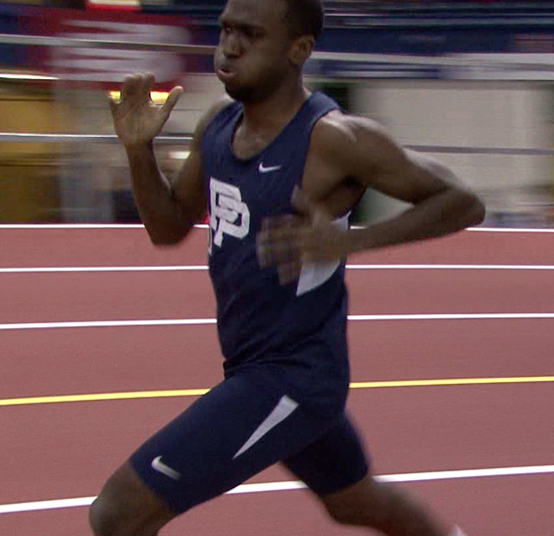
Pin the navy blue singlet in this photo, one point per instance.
(256, 315)
(286, 369)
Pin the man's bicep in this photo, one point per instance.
(382, 164)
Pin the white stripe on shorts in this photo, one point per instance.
(280, 412)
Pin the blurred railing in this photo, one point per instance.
(10, 137)
(514, 63)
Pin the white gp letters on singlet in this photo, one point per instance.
(228, 213)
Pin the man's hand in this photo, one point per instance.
(308, 236)
(137, 120)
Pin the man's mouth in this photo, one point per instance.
(225, 74)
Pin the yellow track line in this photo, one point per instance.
(101, 396)
(460, 381)
(198, 392)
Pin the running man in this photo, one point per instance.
(278, 170)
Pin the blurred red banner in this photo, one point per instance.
(107, 67)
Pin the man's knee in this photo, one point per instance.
(343, 514)
(104, 518)
(355, 505)
(125, 507)
(348, 513)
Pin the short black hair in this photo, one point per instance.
(304, 17)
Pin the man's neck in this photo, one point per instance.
(275, 112)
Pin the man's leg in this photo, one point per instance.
(126, 507)
(335, 468)
(384, 507)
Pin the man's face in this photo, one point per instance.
(253, 53)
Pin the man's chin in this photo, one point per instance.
(238, 94)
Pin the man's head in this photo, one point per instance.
(265, 43)
(304, 17)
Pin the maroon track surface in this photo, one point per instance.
(58, 451)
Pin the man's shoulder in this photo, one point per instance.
(206, 118)
(339, 134)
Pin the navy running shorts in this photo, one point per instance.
(252, 420)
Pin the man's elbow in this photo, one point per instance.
(472, 211)
(166, 239)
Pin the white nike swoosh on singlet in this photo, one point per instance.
(161, 467)
(263, 169)
(280, 412)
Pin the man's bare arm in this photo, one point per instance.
(354, 154)
(168, 209)
(442, 204)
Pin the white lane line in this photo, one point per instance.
(292, 485)
(77, 269)
(471, 473)
(75, 226)
(450, 266)
(452, 316)
(109, 324)
(509, 230)
(202, 268)
(206, 321)
(45, 505)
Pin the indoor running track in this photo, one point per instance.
(476, 308)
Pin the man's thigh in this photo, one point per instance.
(333, 462)
(242, 426)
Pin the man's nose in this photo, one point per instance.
(231, 45)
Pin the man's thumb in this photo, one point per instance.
(172, 99)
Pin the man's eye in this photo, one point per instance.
(248, 32)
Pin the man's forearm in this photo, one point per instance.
(447, 212)
(158, 208)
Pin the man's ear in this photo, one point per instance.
(301, 49)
